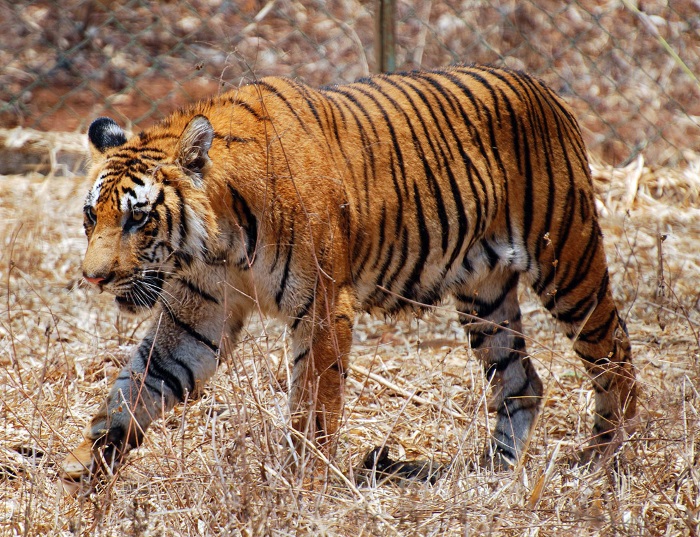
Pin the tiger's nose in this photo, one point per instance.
(95, 280)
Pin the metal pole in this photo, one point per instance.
(385, 32)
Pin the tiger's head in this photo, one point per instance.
(147, 214)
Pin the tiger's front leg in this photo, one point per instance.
(179, 353)
(321, 343)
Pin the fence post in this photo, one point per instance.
(384, 35)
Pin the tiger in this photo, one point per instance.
(386, 195)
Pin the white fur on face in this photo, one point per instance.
(197, 236)
(94, 193)
(143, 196)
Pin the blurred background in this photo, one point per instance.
(627, 67)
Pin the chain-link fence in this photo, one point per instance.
(627, 67)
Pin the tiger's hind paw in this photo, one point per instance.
(495, 459)
(604, 450)
(378, 467)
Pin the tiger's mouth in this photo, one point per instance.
(143, 293)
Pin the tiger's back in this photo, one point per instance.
(472, 159)
(390, 193)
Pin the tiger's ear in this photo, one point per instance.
(193, 147)
(103, 134)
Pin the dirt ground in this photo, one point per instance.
(213, 466)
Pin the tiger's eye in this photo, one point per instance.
(135, 220)
(90, 214)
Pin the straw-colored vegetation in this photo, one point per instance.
(214, 465)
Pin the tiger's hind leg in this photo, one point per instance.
(491, 316)
(577, 294)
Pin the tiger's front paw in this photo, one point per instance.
(87, 463)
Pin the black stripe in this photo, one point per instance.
(528, 197)
(398, 222)
(128, 190)
(148, 382)
(160, 199)
(501, 365)
(515, 405)
(544, 280)
(382, 271)
(480, 108)
(285, 273)
(518, 343)
(170, 359)
(491, 255)
(360, 126)
(388, 281)
(334, 110)
(603, 362)
(466, 264)
(247, 221)
(304, 91)
(558, 112)
(545, 137)
(193, 333)
(182, 219)
(336, 367)
(575, 313)
(109, 174)
(340, 139)
(582, 269)
(198, 290)
(247, 107)
(595, 335)
(602, 436)
(156, 368)
(134, 178)
(301, 356)
(476, 339)
(344, 317)
(484, 308)
(475, 133)
(169, 220)
(419, 265)
(279, 219)
(580, 309)
(276, 92)
(158, 371)
(303, 311)
(228, 139)
(128, 152)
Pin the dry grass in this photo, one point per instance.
(213, 466)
